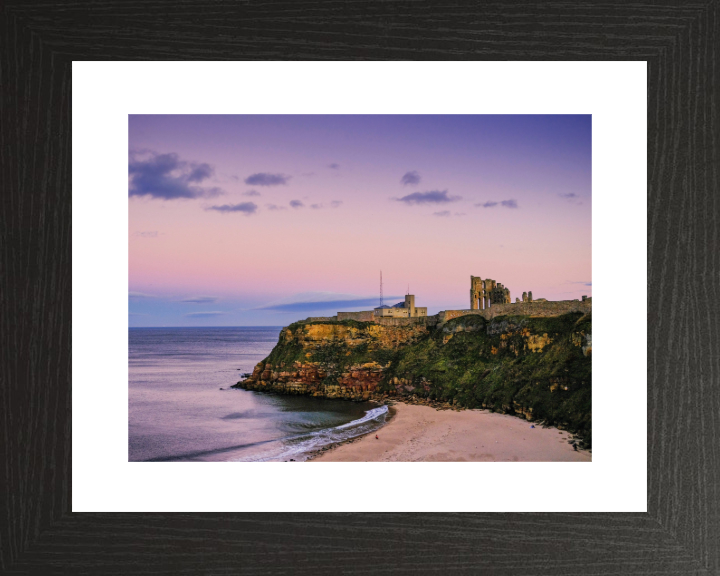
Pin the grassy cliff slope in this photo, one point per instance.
(538, 368)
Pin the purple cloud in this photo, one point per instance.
(503, 203)
(200, 172)
(265, 179)
(296, 204)
(410, 178)
(166, 177)
(246, 207)
(431, 197)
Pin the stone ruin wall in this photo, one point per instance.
(426, 320)
(488, 292)
(535, 308)
(364, 316)
(548, 308)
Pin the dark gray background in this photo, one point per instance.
(680, 532)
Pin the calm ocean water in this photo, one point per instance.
(177, 411)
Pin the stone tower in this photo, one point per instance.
(410, 304)
(484, 293)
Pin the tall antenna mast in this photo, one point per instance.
(381, 295)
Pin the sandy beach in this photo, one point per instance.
(423, 434)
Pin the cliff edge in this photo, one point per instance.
(535, 367)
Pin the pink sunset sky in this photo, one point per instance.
(264, 220)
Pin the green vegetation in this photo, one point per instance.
(335, 357)
(489, 364)
(514, 364)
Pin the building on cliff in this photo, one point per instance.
(485, 293)
(488, 298)
(406, 309)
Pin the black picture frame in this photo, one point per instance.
(680, 533)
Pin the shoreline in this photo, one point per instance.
(418, 433)
(320, 451)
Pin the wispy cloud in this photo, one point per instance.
(334, 166)
(431, 197)
(410, 178)
(584, 283)
(246, 208)
(147, 234)
(166, 177)
(309, 301)
(296, 204)
(265, 179)
(199, 299)
(138, 295)
(504, 203)
(251, 193)
(204, 314)
(335, 203)
(572, 198)
(316, 206)
(447, 213)
(274, 207)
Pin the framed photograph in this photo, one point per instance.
(262, 328)
(259, 191)
(229, 218)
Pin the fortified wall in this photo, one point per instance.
(367, 316)
(488, 299)
(364, 316)
(536, 309)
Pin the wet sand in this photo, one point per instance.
(423, 434)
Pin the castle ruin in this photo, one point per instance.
(485, 293)
(488, 298)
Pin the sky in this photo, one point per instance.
(265, 220)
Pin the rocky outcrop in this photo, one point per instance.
(332, 360)
(359, 382)
(538, 368)
(315, 335)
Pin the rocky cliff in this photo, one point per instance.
(537, 368)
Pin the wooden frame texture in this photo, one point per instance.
(680, 533)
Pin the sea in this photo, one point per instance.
(182, 407)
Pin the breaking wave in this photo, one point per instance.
(301, 446)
